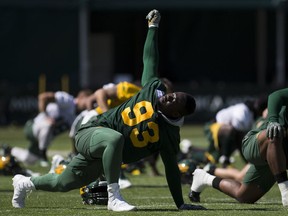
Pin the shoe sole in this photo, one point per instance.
(132, 209)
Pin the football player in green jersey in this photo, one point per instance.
(147, 123)
(266, 150)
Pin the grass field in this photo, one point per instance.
(150, 194)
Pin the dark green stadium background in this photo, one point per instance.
(201, 50)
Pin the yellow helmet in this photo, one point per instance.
(60, 168)
(4, 160)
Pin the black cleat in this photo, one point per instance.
(194, 196)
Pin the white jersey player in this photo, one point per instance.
(57, 113)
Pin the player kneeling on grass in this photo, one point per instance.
(148, 122)
(266, 149)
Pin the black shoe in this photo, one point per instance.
(194, 196)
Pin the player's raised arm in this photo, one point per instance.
(150, 53)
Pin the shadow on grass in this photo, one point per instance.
(158, 210)
(214, 201)
(8, 191)
(247, 209)
(149, 186)
(268, 207)
(103, 208)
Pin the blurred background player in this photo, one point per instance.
(265, 148)
(233, 173)
(226, 132)
(9, 166)
(57, 111)
(103, 99)
(192, 157)
(230, 172)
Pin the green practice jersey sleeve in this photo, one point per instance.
(150, 56)
(173, 176)
(276, 101)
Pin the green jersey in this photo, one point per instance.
(145, 129)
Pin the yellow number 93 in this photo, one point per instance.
(142, 111)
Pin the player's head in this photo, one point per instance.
(177, 104)
(260, 104)
(257, 106)
(81, 99)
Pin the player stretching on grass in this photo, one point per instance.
(266, 149)
(148, 122)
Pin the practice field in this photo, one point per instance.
(150, 194)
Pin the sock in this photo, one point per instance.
(212, 170)
(203, 179)
(216, 183)
(281, 177)
(112, 187)
(113, 191)
(208, 179)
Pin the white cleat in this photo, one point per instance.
(124, 183)
(285, 201)
(199, 183)
(284, 197)
(43, 163)
(283, 186)
(119, 205)
(116, 201)
(56, 160)
(22, 185)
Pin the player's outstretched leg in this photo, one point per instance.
(201, 179)
(116, 201)
(22, 185)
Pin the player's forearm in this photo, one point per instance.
(44, 99)
(101, 100)
(275, 102)
(173, 177)
(174, 183)
(150, 56)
